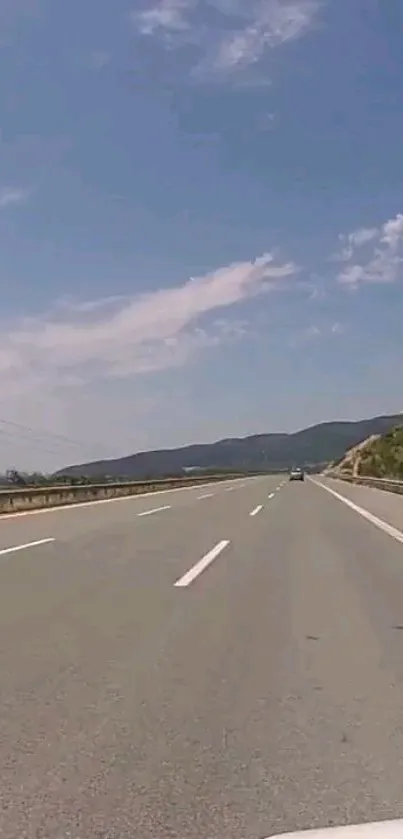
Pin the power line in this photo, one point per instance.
(53, 438)
(28, 428)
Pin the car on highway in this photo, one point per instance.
(297, 474)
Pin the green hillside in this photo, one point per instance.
(383, 458)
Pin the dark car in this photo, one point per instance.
(297, 474)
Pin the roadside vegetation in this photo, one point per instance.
(384, 456)
(380, 456)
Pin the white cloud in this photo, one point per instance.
(372, 255)
(10, 195)
(168, 15)
(230, 34)
(392, 232)
(81, 367)
(272, 23)
(362, 236)
(351, 241)
(78, 345)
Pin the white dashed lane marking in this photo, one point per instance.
(200, 566)
(256, 510)
(155, 510)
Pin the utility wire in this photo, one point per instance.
(53, 437)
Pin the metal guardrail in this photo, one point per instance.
(34, 498)
(386, 484)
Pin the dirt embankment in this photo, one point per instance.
(379, 456)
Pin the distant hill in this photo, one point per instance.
(380, 456)
(312, 447)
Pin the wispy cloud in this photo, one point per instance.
(231, 35)
(315, 331)
(270, 24)
(310, 333)
(350, 241)
(121, 337)
(86, 366)
(167, 15)
(372, 255)
(362, 236)
(11, 195)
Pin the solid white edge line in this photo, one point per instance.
(154, 510)
(391, 829)
(26, 545)
(380, 523)
(256, 510)
(115, 500)
(200, 566)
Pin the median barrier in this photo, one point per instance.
(36, 498)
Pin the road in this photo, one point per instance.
(200, 671)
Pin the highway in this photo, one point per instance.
(221, 662)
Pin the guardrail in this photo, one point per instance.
(35, 498)
(387, 484)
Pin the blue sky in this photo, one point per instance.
(200, 221)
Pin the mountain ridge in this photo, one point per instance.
(316, 445)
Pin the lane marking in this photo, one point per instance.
(207, 495)
(26, 545)
(271, 495)
(256, 510)
(133, 497)
(155, 510)
(230, 489)
(383, 525)
(391, 828)
(200, 566)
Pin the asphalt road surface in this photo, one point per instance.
(222, 662)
